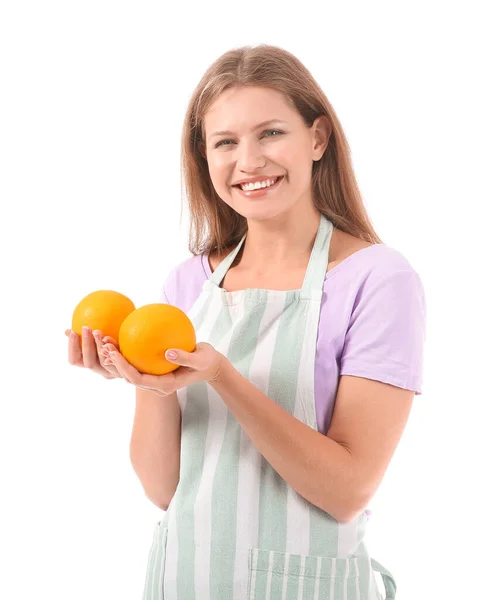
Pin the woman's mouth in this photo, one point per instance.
(265, 188)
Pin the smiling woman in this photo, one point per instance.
(254, 155)
(312, 335)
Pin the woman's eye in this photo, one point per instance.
(273, 131)
(223, 142)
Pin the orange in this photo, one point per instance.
(104, 310)
(149, 331)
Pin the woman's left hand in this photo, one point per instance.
(203, 364)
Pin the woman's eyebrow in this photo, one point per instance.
(269, 122)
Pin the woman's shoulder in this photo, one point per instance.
(357, 258)
(190, 267)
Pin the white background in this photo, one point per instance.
(92, 100)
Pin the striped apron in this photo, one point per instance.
(235, 530)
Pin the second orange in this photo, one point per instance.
(147, 332)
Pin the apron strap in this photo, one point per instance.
(224, 266)
(388, 579)
(318, 263)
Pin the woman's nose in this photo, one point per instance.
(250, 157)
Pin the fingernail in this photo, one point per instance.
(72, 335)
(85, 330)
(171, 354)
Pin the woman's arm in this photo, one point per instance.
(155, 445)
(338, 475)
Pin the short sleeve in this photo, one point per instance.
(183, 284)
(386, 332)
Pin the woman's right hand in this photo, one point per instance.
(89, 356)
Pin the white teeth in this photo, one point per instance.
(249, 187)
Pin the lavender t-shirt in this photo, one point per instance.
(372, 322)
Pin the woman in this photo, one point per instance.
(266, 445)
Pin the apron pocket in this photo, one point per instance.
(154, 586)
(305, 577)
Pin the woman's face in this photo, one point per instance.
(241, 146)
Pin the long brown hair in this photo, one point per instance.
(214, 225)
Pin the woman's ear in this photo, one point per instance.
(321, 131)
